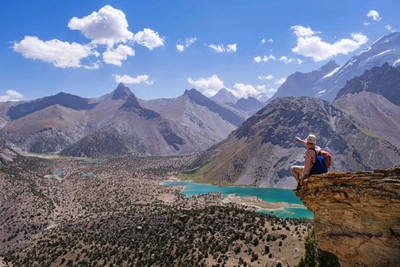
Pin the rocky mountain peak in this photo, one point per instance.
(122, 92)
(387, 40)
(194, 95)
(299, 84)
(384, 80)
(261, 97)
(250, 104)
(331, 65)
(224, 96)
(356, 215)
(202, 100)
(385, 49)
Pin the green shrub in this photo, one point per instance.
(315, 257)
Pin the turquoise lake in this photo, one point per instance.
(266, 194)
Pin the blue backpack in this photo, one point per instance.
(319, 165)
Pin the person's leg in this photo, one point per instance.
(296, 172)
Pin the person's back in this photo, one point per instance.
(301, 172)
(319, 165)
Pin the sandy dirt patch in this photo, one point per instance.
(258, 203)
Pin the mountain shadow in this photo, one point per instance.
(62, 99)
(132, 104)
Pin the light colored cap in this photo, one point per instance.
(311, 139)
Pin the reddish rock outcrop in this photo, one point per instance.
(357, 215)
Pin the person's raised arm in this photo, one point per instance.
(298, 139)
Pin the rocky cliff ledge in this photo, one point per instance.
(357, 215)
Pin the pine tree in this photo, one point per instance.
(315, 257)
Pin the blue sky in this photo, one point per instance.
(160, 48)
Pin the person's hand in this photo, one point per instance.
(298, 139)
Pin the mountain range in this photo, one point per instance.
(353, 109)
(326, 82)
(117, 124)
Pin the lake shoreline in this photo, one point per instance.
(258, 203)
(254, 201)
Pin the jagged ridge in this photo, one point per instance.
(62, 99)
(226, 114)
(384, 80)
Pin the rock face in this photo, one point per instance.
(357, 215)
(301, 84)
(384, 80)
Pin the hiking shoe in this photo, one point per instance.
(297, 188)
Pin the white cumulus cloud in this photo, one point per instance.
(188, 42)
(149, 39)
(246, 90)
(60, 54)
(268, 77)
(217, 48)
(270, 91)
(312, 46)
(210, 86)
(263, 41)
(180, 47)
(301, 31)
(264, 58)
(11, 95)
(258, 59)
(280, 81)
(107, 26)
(115, 56)
(230, 48)
(374, 15)
(286, 60)
(389, 28)
(131, 80)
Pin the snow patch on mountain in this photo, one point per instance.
(331, 73)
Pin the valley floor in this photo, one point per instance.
(122, 215)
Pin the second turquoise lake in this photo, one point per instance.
(266, 194)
